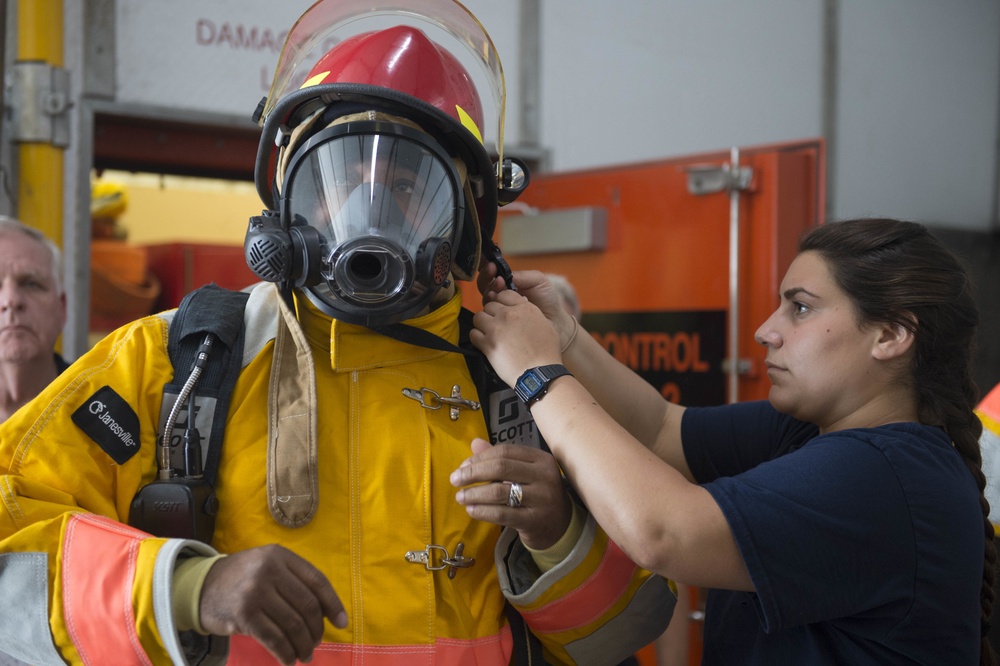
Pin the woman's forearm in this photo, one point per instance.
(628, 399)
(661, 520)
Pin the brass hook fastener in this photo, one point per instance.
(431, 399)
(426, 558)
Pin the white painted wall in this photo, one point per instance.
(917, 111)
(652, 79)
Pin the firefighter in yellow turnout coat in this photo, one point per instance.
(339, 440)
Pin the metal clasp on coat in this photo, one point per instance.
(431, 399)
(426, 558)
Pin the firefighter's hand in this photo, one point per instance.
(272, 595)
(485, 481)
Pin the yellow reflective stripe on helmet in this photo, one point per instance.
(468, 123)
(314, 80)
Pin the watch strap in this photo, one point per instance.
(534, 382)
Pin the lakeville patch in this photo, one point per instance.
(111, 422)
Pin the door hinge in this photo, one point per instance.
(712, 178)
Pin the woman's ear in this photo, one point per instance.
(894, 340)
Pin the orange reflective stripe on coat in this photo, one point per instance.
(591, 599)
(245, 651)
(99, 559)
(990, 408)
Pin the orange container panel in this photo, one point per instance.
(183, 267)
(667, 249)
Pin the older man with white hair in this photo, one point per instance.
(32, 313)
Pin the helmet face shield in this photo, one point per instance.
(387, 203)
(447, 22)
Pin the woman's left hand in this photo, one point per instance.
(485, 480)
(515, 336)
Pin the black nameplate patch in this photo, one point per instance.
(111, 422)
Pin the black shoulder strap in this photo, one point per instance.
(487, 381)
(419, 337)
(527, 647)
(219, 312)
(483, 375)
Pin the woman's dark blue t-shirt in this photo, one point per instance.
(865, 546)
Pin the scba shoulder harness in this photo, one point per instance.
(182, 503)
(205, 345)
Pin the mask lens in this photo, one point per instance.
(379, 200)
(372, 185)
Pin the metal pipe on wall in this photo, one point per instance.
(529, 75)
(734, 280)
(995, 222)
(40, 164)
(3, 60)
(830, 102)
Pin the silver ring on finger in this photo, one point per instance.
(515, 496)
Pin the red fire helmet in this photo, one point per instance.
(405, 60)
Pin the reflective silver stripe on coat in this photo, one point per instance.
(24, 614)
(632, 628)
(163, 593)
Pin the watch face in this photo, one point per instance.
(530, 383)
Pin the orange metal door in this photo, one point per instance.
(660, 295)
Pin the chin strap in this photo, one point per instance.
(412, 335)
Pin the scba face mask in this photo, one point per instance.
(386, 201)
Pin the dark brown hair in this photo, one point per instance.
(897, 272)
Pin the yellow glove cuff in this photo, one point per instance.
(189, 577)
(557, 552)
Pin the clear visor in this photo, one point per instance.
(381, 203)
(373, 185)
(446, 22)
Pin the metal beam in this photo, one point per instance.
(529, 74)
(831, 100)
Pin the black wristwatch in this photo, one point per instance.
(533, 384)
